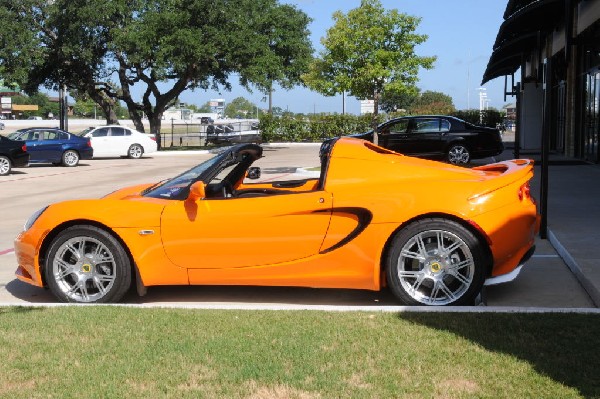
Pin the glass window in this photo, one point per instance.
(444, 125)
(426, 125)
(100, 132)
(117, 131)
(49, 135)
(398, 127)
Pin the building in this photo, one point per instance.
(548, 52)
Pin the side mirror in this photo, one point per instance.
(253, 173)
(197, 191)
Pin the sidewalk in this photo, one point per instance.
(573, 215)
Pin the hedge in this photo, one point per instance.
(316, 128)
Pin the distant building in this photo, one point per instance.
(217, 106)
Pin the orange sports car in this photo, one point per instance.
(433, 233)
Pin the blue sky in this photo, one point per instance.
(461, 35)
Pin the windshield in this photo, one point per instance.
(177, 187)
(85, 131)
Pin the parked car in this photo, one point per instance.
(56, 146)
(369, 220)
(436, 137)
(115, 141)
(12, 154)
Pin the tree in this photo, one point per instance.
(111, 50)
(45, 105)
(367, 51)
(392, 101)
(432, 103)
(239, 107)
(284, 32)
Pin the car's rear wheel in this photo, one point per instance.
(435, 262)
(5, 165)
(70, 158)
(458, 154)
(86, 264)
(135, 151)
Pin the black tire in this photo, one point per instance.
(458, 154)
(86, 264)
(70, 158)
(421, 272)
(5, 165)
(135, 151)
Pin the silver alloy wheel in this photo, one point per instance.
(84, 269)
(135, 151)
(436, 267)
(70, 158)
(458, 154)
(4, 166)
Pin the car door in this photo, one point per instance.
(424, 137)
(119, 139)
(100, 143)
(46, 145)
(244, 232)
(394, 134)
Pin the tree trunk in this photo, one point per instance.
(375, 114)
(155, 123)
(107, 105)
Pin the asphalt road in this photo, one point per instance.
(544, 282)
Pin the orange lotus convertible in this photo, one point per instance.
(433, 233)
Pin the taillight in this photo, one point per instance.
(89, 143)
(152, 138)
(24, 147)
(525, 192)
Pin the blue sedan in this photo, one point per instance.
(56, 146)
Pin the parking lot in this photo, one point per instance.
(544, 282)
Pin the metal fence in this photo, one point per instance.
(220, 132)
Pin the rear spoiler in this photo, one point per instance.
(506, 172)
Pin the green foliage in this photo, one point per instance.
(165, 47)
(240, 107)
(45, 106)
(392, 101)
(369, 51)
(313, 128)
(489, 117)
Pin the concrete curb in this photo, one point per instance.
(572, 264)
(326, 308)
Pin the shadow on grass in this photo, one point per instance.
(563, 347)
(19, 309)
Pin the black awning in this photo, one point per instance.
(506, 59)
(524, 21)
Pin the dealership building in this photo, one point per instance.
(548, 52)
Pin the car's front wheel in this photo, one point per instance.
(5, 165)
(135, 151)
(70, 158)
(435, 262)
(458, 154)
(86, 264)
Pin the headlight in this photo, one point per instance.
(33, 218)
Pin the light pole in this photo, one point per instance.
(482, 102)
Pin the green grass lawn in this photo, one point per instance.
(117, 352)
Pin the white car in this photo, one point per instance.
(114, 141)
